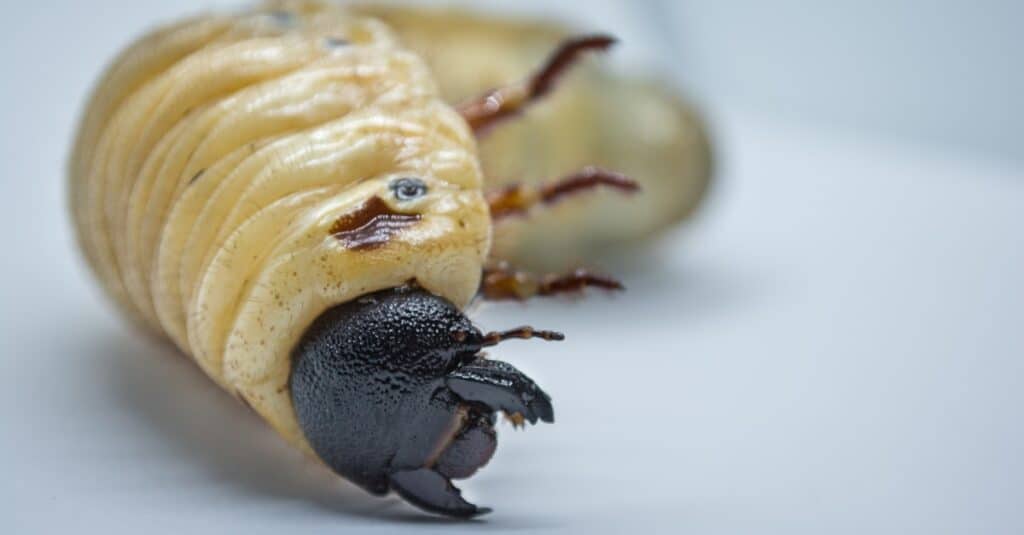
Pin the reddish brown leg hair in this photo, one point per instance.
(488, 109)
(502, 282)
(517, 199)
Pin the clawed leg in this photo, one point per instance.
(517, 199)
(487, 110)
(503, 282)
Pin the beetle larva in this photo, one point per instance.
(286, 195)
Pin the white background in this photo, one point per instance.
(835, 346)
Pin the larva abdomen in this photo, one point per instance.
(215, 157)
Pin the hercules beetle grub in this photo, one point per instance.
(285, 195)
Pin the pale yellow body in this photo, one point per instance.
(216, 154)
(214, 158)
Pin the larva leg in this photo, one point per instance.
(502, 282)
(490, 108)
(518, 198)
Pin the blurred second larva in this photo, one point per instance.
(638, 127)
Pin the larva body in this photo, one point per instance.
(287, 194)
(217, 155)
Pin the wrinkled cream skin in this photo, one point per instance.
(216, 154)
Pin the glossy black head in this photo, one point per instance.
(391, 393)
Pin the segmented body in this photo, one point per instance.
(228, 168)
(216, 159)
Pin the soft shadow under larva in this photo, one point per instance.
(160, 391)
(164, 393)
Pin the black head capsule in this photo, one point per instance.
(391, 393)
